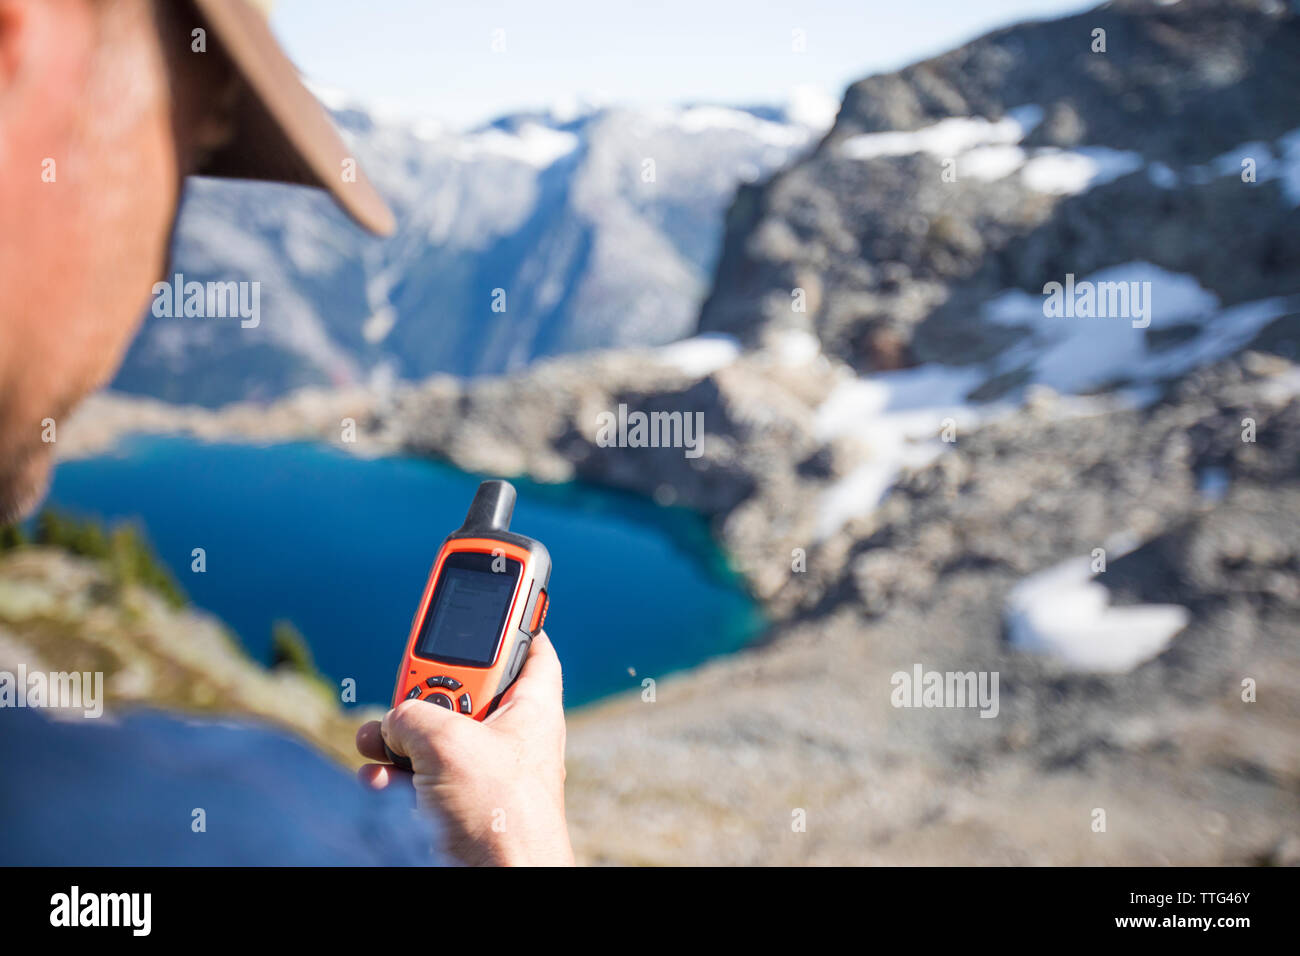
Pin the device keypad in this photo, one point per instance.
(442, 681)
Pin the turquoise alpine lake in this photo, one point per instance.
(341, 546)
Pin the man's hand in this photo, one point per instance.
(497, 785)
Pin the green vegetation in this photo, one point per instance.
(290, 650)
(123, 548)
(11, 536)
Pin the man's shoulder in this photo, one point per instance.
(159, 788)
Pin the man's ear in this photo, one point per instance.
(13, 15)
(45, 47)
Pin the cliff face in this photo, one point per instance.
(1021, 157)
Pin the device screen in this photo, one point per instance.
(469, 609)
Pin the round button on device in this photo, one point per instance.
(442, 700)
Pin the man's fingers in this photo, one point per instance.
(541, 670)
(379, 776)
(370, 743)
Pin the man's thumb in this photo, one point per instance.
(416, 730)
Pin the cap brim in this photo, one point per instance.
(283, 133)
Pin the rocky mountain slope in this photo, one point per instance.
(949, 193)
(600, 228)
(921, 468)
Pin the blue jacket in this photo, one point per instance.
(119, 792)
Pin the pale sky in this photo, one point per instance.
(425, 58)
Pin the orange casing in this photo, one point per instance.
(529, 604)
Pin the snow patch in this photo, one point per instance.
(946, 138)
(987, 150)
(793, 347)
(1077, 354)
(1070, 172)
(700, 356)
(990, 163)
(1279, 161)
(898, 416)
(1065, 613)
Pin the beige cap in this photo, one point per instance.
(283, 133)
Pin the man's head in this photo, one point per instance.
(105, 107)
(93, 157)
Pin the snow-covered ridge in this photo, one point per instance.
(808, 108)
(549, 204)
(989, 150)
(704, 119)
(532, 143)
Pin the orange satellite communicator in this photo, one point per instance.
(484, 603)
